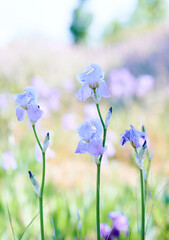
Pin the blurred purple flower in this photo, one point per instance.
(122, 83)
(133, 136)
(90, 111)
(120, 224)
(69, 121)
(69, 86)
(54, 100)
(27, 102)
(8, 161)
(92, 80)
(91, 142)
(110, 147)
(104, 230)
(3, 101)
(145, 84)
(41, 87)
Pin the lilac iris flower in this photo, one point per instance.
(93, 82)
(8, 161)
(133, 136)
(145, 84)
(104, 230)
(27, 102)
(120, 224)
(91, 141)
(122, 83)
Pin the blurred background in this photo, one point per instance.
(45, 44)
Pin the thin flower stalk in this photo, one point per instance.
(42, 186)
(98, 177)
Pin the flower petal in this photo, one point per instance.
(95, 147)
(102, 90)
(34, 113)
(84, 92)
(21, 99)
(82, 147)
(99, 129)
(20, 112)
(85, 130)
(32, 94)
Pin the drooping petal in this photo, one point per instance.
(103, 90)
(32, 94)
(85, 130)
(34, 113)
(82, 147)
(104, 230)
(22, 100)
(99, 129)
(95, 147)
(123, 140)
(20, 112)
(92, 74)
(84, 92)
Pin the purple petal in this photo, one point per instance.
(22, 100)
(95, 147)
(104, 230)
(85, 130)
(84, 92)
(82, 147)
(114, 215)
(123, 140)
(20, 112)
(34, 113)
(99, 129)
(103, 90)
(92, 74)
(32, 94)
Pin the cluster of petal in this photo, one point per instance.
(93, 83)
(133, 136)
(120, 224)
(91, 141)
(27, 102)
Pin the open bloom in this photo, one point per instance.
(133, 136)
(27, 102)
(104, 230)
(91, 141)
(120, 224)
(93, 83)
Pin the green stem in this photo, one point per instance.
(98, 177)
(142, 206)
(42, 186)
(98, 202)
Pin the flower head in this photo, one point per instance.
(91, 142)
(104, 230)
(27, 102)
(120, 224)
(133, 136)
(93, 83)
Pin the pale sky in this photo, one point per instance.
(51, 18)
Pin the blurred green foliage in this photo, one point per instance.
(81, 22)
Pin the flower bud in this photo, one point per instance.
(108, 118)
(140, 156)
(35, 183)
(46, 143)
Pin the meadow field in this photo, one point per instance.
(137, 74)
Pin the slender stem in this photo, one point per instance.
(101, 119)
(148, 169)
(142, 206)
(98, 202)
(98, 177)
(42, 186)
